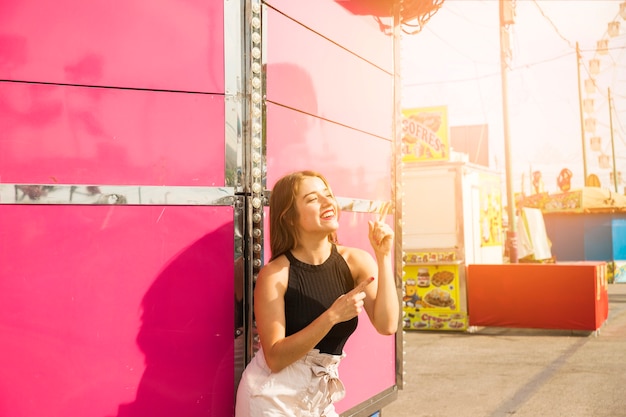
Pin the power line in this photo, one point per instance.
(451, 46)
(571, 45)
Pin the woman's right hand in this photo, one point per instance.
(349, 305)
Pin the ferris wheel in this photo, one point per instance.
(603, 105)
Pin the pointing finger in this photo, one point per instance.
(361, 286)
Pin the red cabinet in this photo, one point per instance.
(568, 296)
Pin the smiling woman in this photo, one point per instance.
(307, 299)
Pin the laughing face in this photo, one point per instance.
(316, 206)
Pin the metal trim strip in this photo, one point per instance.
(234, 91)
(148, 195)
(373, 404)
(115, 195)
(356, 205)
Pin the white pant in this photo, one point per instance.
(306, 388)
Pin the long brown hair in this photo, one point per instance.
(284, 215)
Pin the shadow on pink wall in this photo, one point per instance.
(187, 334)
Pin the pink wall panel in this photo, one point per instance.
(104, 311)
(167, 44)
(363, 377)
(357, 165)
(79, 135)
(310, 73)
(353, 24)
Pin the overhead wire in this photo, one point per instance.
(517, 66)
(556, 29)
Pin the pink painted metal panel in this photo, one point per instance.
(329, 81)
(168, 44)
(363, 27)
(364, 377)
(116, 311)
(358, 165)
(79, 135)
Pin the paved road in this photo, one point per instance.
(499, 372)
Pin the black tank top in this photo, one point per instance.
(311, 290)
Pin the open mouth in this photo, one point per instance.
(328, 214)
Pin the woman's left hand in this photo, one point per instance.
(380, 233)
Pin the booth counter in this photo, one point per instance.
(566, 296)
(587, 224)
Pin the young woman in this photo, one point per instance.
(307, 299)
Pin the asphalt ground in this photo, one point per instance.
(504, 372)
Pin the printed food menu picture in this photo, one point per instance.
(431, 298)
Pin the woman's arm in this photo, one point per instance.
(269, 310)
(381, 303)
(386, 306)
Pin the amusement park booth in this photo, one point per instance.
(587, 224)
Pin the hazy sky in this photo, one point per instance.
(455, 61)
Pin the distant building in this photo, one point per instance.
(472, 140)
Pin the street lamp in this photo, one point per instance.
(507, 14)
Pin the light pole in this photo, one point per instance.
(580, 109)
(506, 19)
(612, 140)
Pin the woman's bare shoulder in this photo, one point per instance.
(275, 270)
(360, 262)
(352, 254)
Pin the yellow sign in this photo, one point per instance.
(490, 211)
(425, 134)
(431, 298)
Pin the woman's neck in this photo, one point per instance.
(313, 252)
